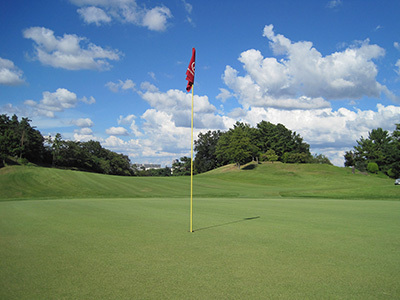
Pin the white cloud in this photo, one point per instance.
(83, 122)
(126, 11)
(147, 86)
(9, 73)
(50, 103)
(91, 100)
(94, 14)
(58, 101)
(126, 120)
(117, 131)
(177, 104)
(66, 52)
(84, 134)
(156, 18)
(224, 95)
(304, 78)
(121, 85)
(396, 45)
(130, 120)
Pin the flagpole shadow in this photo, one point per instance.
(228, 223)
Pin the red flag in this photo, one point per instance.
(190, 71)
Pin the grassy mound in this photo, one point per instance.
(252, 181)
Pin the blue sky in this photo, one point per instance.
(114, 70)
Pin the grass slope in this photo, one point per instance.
(253, 181)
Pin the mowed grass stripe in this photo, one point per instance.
(241, 248)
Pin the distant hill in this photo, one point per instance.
(267, 180)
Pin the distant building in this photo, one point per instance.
(148, 166)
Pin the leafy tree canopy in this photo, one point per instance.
(380, 151)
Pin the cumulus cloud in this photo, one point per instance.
(9, 73)
(121, 85)
(58, 101)
(126, 11)
(304, 78)
(66, 52)
(84, 134)
(91, 100)
(224, 94)
(83, 122)
(130, 120)
(177, 104)
(147, 86)
(50, 103)
(94, 15)
(117, 131)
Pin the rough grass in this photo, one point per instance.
(267, 231)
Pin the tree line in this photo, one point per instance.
(243, 143)
(239, 145)
(380, 151)
(20, 141)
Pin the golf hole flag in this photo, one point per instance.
(190, 71)
(190, 79)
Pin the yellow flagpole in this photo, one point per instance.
(191, 170)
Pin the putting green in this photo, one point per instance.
(241, 249)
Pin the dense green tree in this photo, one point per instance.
(243, 143)
(270, 155)
(238, 145)
(379, 148)
(372, 167)
(181, 166)
(205, 148)
(20, 140)
(280, 139)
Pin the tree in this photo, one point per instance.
(237, 145)
(280, 139)
(379, 148)
(270, 155)
(181, 167)
(372, 167)
(349, 160)
(205, 148)
(320, 159)
(20, 140)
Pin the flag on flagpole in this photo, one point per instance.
(190, 79)
(190, 71)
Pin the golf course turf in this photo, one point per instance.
(269, 232)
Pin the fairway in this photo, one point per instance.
(242, 248)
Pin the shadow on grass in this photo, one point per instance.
(228, 223)
(250, 167)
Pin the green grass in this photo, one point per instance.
(241, 249)
(75, 235)
(262, 181)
